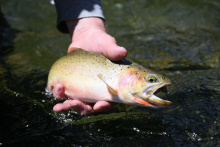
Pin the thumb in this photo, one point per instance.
(110, 49)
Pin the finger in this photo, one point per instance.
(103, 106)
(110, 48)
(58, 91)
(74, 105)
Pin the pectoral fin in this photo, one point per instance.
(127, 95)
(114, 92)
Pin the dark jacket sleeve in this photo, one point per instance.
(74, 9)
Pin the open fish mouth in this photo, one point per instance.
(148, 97)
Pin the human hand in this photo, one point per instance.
(76, 105)
(90, 35)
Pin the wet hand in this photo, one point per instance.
(90, 35)
(76, 105)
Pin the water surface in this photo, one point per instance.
(180, 39)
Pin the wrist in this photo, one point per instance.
(78, 26)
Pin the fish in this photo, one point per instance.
(91, 77)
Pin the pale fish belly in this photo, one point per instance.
(88, 90)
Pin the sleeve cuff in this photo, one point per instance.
(75, 9)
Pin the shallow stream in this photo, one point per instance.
(180, 39)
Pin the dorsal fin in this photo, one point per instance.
(73, 49)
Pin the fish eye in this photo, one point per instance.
(151, 78)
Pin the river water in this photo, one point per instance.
(180, 39)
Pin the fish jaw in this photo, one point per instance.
(148, 98)
(152, 101)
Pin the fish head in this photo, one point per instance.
(144, 85)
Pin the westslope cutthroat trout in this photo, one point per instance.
(91, 77)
